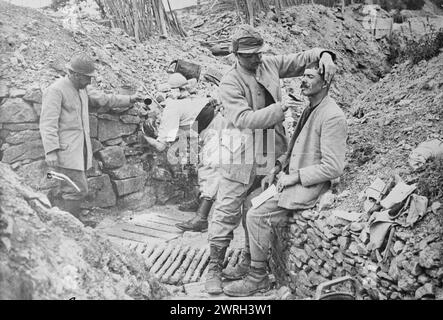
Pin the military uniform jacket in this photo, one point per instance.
(242, 94)
(64, 121)
(318, 155)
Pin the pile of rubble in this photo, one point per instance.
(393, 247)
(46, 253)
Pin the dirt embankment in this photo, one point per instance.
(46, 253)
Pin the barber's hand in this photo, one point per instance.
(52, 159)
(270, 178)
(328, 67)
(285, 180)
(136, 98)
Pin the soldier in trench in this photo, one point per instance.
(315, 157)
(251, 97)
(64, 128)
(195, 118)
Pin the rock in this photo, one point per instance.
(314, 238)
(96, 145)
(425, 291)
(326, 201)
(423, 279)
(127, 171)
(130, 185)
(111, 129)
(139, 200)
(34, 96)
(93, 126)
(130, 119)
(302, 279)
(338, 256)
(28, 150)
(100, 193)
(431, 256)
(23, 136)
(112, 157)
(406, 283)
(21, 126)
(17, 111)
(398, 247)
(435, 207)
(309, 215)
(343, 243)
(353, 248)
(34, 174)
(4, 91)
(356, 226)
(316, 279)
(5, 244)
(299, 254)
(362, 250)
(17, 93)
(164, 87)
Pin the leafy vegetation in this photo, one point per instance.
(415, 50)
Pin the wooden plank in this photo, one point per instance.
(159, 227)
(147, 232)
(118, 233)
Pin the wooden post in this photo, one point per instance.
(161, 19)
(136, 21)
(250, 6)
(278, 9)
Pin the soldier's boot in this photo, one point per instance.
(257, 280)
(240, 269)
(200, 222)
(213, 284)
(190, 206)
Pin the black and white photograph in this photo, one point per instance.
(221, 157)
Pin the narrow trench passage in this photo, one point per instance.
(178, 260)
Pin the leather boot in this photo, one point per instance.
(200, 222)
(240, 269)
(257, 280)
(213, 283)
(190, 206)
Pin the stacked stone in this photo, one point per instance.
(313, 249)
(120, 165)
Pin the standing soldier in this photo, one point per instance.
(64, 127)
(251, 96)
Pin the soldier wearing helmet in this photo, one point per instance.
(64, 127)
(253, 137)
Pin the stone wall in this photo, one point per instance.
(315, 248)
(125, 173)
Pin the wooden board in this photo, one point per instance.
(119, 233)
(152, 233)
(158, 226)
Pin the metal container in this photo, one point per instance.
(188, 69)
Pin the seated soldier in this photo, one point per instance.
(315, 156)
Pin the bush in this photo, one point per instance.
(424, 48)
(438, 3)
(431, 179)
(401, 4)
